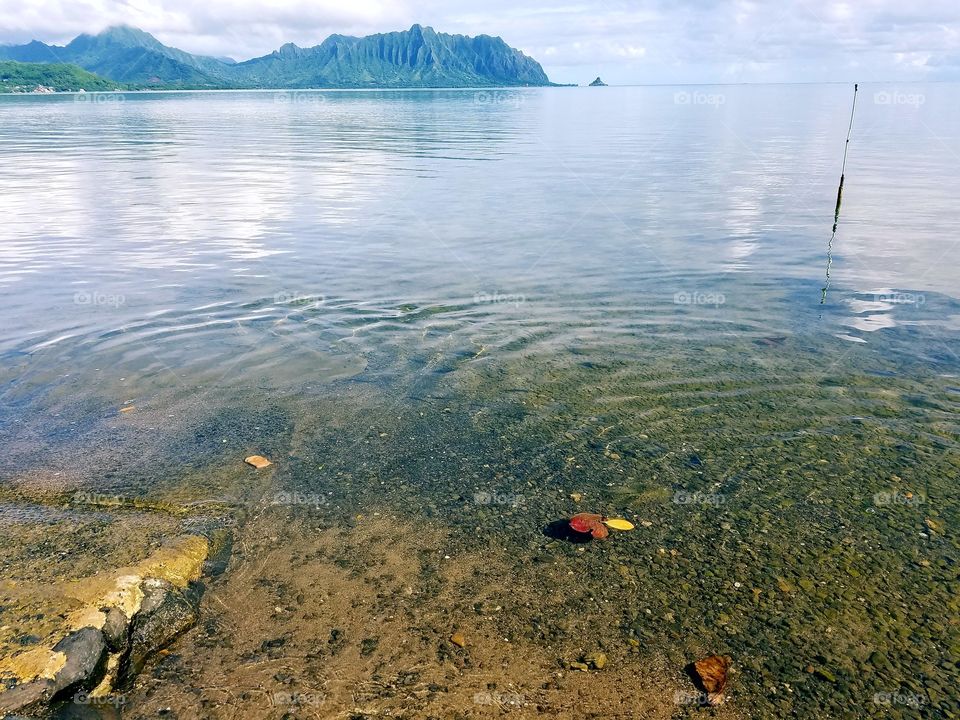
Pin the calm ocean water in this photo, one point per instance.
(141, 223)
(630, 290)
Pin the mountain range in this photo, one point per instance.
(418, 57)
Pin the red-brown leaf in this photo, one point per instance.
(712, 672)
(599, 531)
(585, 522)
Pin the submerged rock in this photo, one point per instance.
(221, 547)
(112, 622)
(166, 611)
(368, 646)
(115, 628)
(76, 663)
(85, 652)
(598, 660)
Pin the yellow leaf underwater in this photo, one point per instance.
(618, 524)
(258, 461)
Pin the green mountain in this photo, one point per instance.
(25, 77)
(418, 57)
(127, 55)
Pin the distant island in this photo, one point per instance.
(129, 58)
(598, 83)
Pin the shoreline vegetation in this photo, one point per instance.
(18, 77)
(34, 78)
(7, 87)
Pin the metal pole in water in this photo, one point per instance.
(843, 166)
(836, 211)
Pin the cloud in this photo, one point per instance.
(640, 41)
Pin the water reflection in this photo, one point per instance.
(381, 199)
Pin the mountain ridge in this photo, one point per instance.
(418, 57)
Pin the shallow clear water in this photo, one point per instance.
(151, 224)
(520, 294)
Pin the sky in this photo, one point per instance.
(644, 41)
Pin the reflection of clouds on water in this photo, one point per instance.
(884, 308)
(849, 338)
(160, 187)
(869, 316)
(738, 253)
(745, 222)
(864, 306)
(871, 323)
(178, 201)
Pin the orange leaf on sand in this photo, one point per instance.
(712, 672)
(258, 461)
